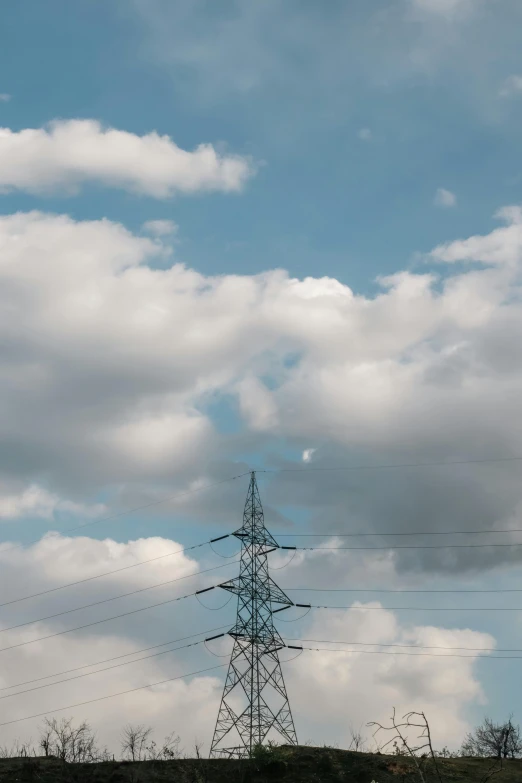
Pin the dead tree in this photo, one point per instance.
(358, 741)
(68, 742)
(401, 730)
(134, 741)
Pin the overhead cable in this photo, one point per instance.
(98, 671)
(407, 654)
(108, 668)
(116, 597)
(393, 466)
(108, 573)
(401, 533)
(387, 590)
(114, 695)
(412, 608)
(409, 646)
(407, 546)
(97, 622)
(114, 658)
(132, 510)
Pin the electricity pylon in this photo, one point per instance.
(254, 704)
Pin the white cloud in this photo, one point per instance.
(4, 97)
(35, 501)
(364, 134)
(56, 560)
(444, 690)
(308, 454)
(103, 348)
(70, 153)
(444, 198)
(160, 228)
(183, 705)
(256, 404)
(104, 292)
(512, 86)
(316, 682)
(502, 247)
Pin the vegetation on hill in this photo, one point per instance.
(72, 754)
(293, 765)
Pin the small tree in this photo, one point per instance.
(70, 743)
(134, 741)
(17, 750)
(357, 739)
(501, 740)
(137, 744)
(166, 750)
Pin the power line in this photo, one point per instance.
(115, 598)
(98, 671)
(413, 608)
(114, 658)
(429, 655)
(393, 466)
(288, 639)
(113, 695)
(386, 590)
(409, 646)
(97, 622)
(107, 573)
(201, 641)
(130, 510)
(106, 669)
(393, 546)
(413, 533)
(214, 608)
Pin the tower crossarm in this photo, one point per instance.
(268, 593)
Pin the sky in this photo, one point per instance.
(281, 236)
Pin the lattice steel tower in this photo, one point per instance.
(254, 706)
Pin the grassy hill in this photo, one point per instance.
(294, 765)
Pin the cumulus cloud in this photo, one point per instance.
(103, 349)
(316, 682)
(185, 705)
(444, 690)
(502, 247)
(444, 198)
(58, 560)
(69, 153)
(36, 501)
(257, 404)
(157, 423)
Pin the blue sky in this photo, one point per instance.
(339, 285)
(325, 201)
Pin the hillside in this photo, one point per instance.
(295, 765)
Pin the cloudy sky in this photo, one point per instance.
(274, 235)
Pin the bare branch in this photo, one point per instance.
(411, 720)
